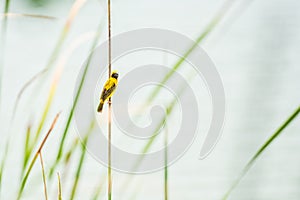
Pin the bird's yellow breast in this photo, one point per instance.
(110, 82)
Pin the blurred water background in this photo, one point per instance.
(256, 50)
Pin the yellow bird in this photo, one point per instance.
(108, 89)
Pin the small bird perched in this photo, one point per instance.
(108, 89)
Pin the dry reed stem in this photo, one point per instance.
(44, 176)
(18, 15)
(109, 176)
(59, 187)
(35, 157)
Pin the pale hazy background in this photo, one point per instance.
(256, 50)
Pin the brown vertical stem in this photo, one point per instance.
(59, 187)
(35, 158)
(44, 177)
(109, 104)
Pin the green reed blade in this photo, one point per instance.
(260, 151)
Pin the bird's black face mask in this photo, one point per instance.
(115, 75)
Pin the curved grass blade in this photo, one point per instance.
(7, 3)
(169, 111)
(35, 157)
(214, 22)
(75, 9)
(260, 151)
(2, 49)
(166, 172)
(47, 107)
(211, 26)
(27, 15)
(2, 45)
(27, 150)
(71, 113)
(72, 14)
(77, 42)
(31, 144)
(148, 145)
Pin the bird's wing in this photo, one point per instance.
(108, 89)
(108, 84)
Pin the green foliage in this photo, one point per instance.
(23, 183)
(261, 150)
(77, 95)
(209, 28)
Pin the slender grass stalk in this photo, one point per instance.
(26, 146)
(35, 157)
(4, 17)
(59, 187)
(51, 95)
(166, 138)
(54, 84)
(2, 45)
(71, 113)
(6, 7)
(44, 176)
(46, 109)
(27, 150)
(57, 49)
(166, 188)
(73, 12)
(2, 55)
(82, 157)
(47, 106)
(27, 15)
(260, 151)
(169, 111)
(150, 142)
(109, 177)
(209, 28)
(29, 144)
(2, 48)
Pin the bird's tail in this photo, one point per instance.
(100, 107)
